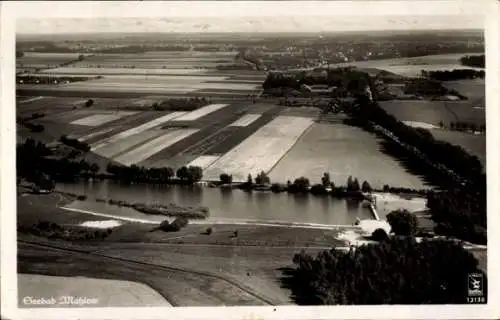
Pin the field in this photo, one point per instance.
(474, 144)
(260, 151)
(109, 293)
(342, 151)
(411, 67)
(434, 112)
(474, 90)
(228, 136)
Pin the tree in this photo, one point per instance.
(262, 178)
(81, 57)
(300, 185)
(403, 222)
(94, 168)
(89, 103)
(249, 180)
(383, 273)
(195, 173)
(379, 235)
(226, 178)
(325, 180)
(366, 187)
(182, 173)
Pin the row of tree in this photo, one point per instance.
(473, 61)
(465, 126)
(460, 209)
(164, 175)
(452, 156)
(181, 104)
(455, 74)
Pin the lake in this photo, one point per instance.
(225, 205)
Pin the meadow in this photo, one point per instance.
(434, 112)
(342, 151)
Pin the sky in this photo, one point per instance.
(266, 16)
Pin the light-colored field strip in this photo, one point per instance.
(96, 120)
(195, 115)
(113, 149)
(31, 99)
(104, 292)
(245, 120)
(118, 71)
(261, 151)
(418, 124)
(203, 161)
(94, 134)
(143, 127)
(154, 146)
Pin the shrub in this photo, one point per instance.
(318, 189)
(209, 231)
(403, 222)
(276, 187)
(366, 187)
(89, 103)
(176, 225)
(300, 185)
(81, 197)
(379, 235)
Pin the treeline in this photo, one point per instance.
(38, 164)
(347, 80)
(473, 61)
(453, 157)
(165, 175)
(461, 213)
(469, 222)
(467, 127)
(302, 185)
(49, 79)
(181, 104)
(398, 270)
(53, 230)
(456, 74)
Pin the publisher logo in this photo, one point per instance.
(475, 285)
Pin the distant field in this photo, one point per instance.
(474, 144)
(474, 90)
(432, 112)
(342, 151)
(411, 67)
(44, 60)
(121, 71)
(261, 150)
